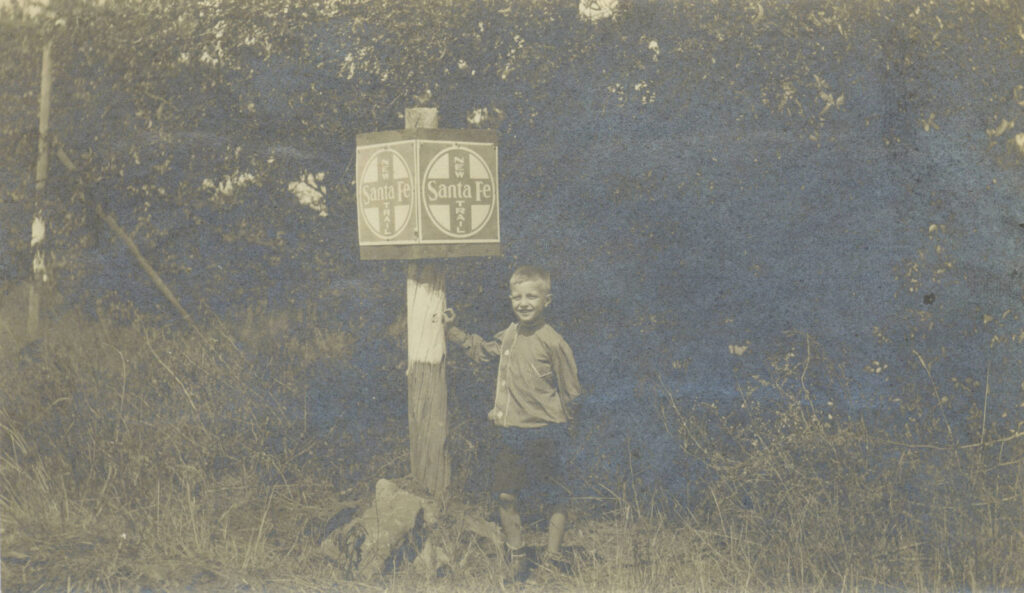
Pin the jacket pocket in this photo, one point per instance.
(542, 370)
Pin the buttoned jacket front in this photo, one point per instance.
(537, 377)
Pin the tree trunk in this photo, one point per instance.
(127, 240)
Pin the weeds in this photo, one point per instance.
(140, 453)
(805, 497)
(137, 458)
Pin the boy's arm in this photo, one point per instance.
(564, 365)
(475, 347)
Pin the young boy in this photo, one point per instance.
(536, 386)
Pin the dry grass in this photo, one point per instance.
(138, 459)
(804, 497)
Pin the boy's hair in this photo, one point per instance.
(531, 274)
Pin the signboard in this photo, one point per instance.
(427, 193)
(386, 190)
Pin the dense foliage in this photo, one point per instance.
(807, 209)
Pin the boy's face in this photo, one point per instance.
(529, 299)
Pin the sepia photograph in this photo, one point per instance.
(481, 296)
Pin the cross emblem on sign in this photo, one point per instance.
(386, 187)
(459, 192)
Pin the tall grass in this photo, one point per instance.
(804, 496)
(134, 457)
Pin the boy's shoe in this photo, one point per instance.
(552, 566)
(555, 563)
(518, 565)
(548, 569)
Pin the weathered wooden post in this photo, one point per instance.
(428, 387)
(427, 193)
(428, 383)
(38, 246)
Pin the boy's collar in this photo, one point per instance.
(530, 328)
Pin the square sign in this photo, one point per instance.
(386, 193)
(427, 193)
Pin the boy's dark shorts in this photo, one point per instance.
(530, 462)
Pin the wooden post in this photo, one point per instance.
(39, 274)
(428, 388)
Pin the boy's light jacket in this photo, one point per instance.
(537, 377)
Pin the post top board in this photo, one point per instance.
(440, 134)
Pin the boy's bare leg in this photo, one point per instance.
(510, 521)
(556, 531)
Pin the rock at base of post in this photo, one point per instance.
(389, 533)
(400, 529)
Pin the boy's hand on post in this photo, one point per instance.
(456, 335)
(472, 344)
